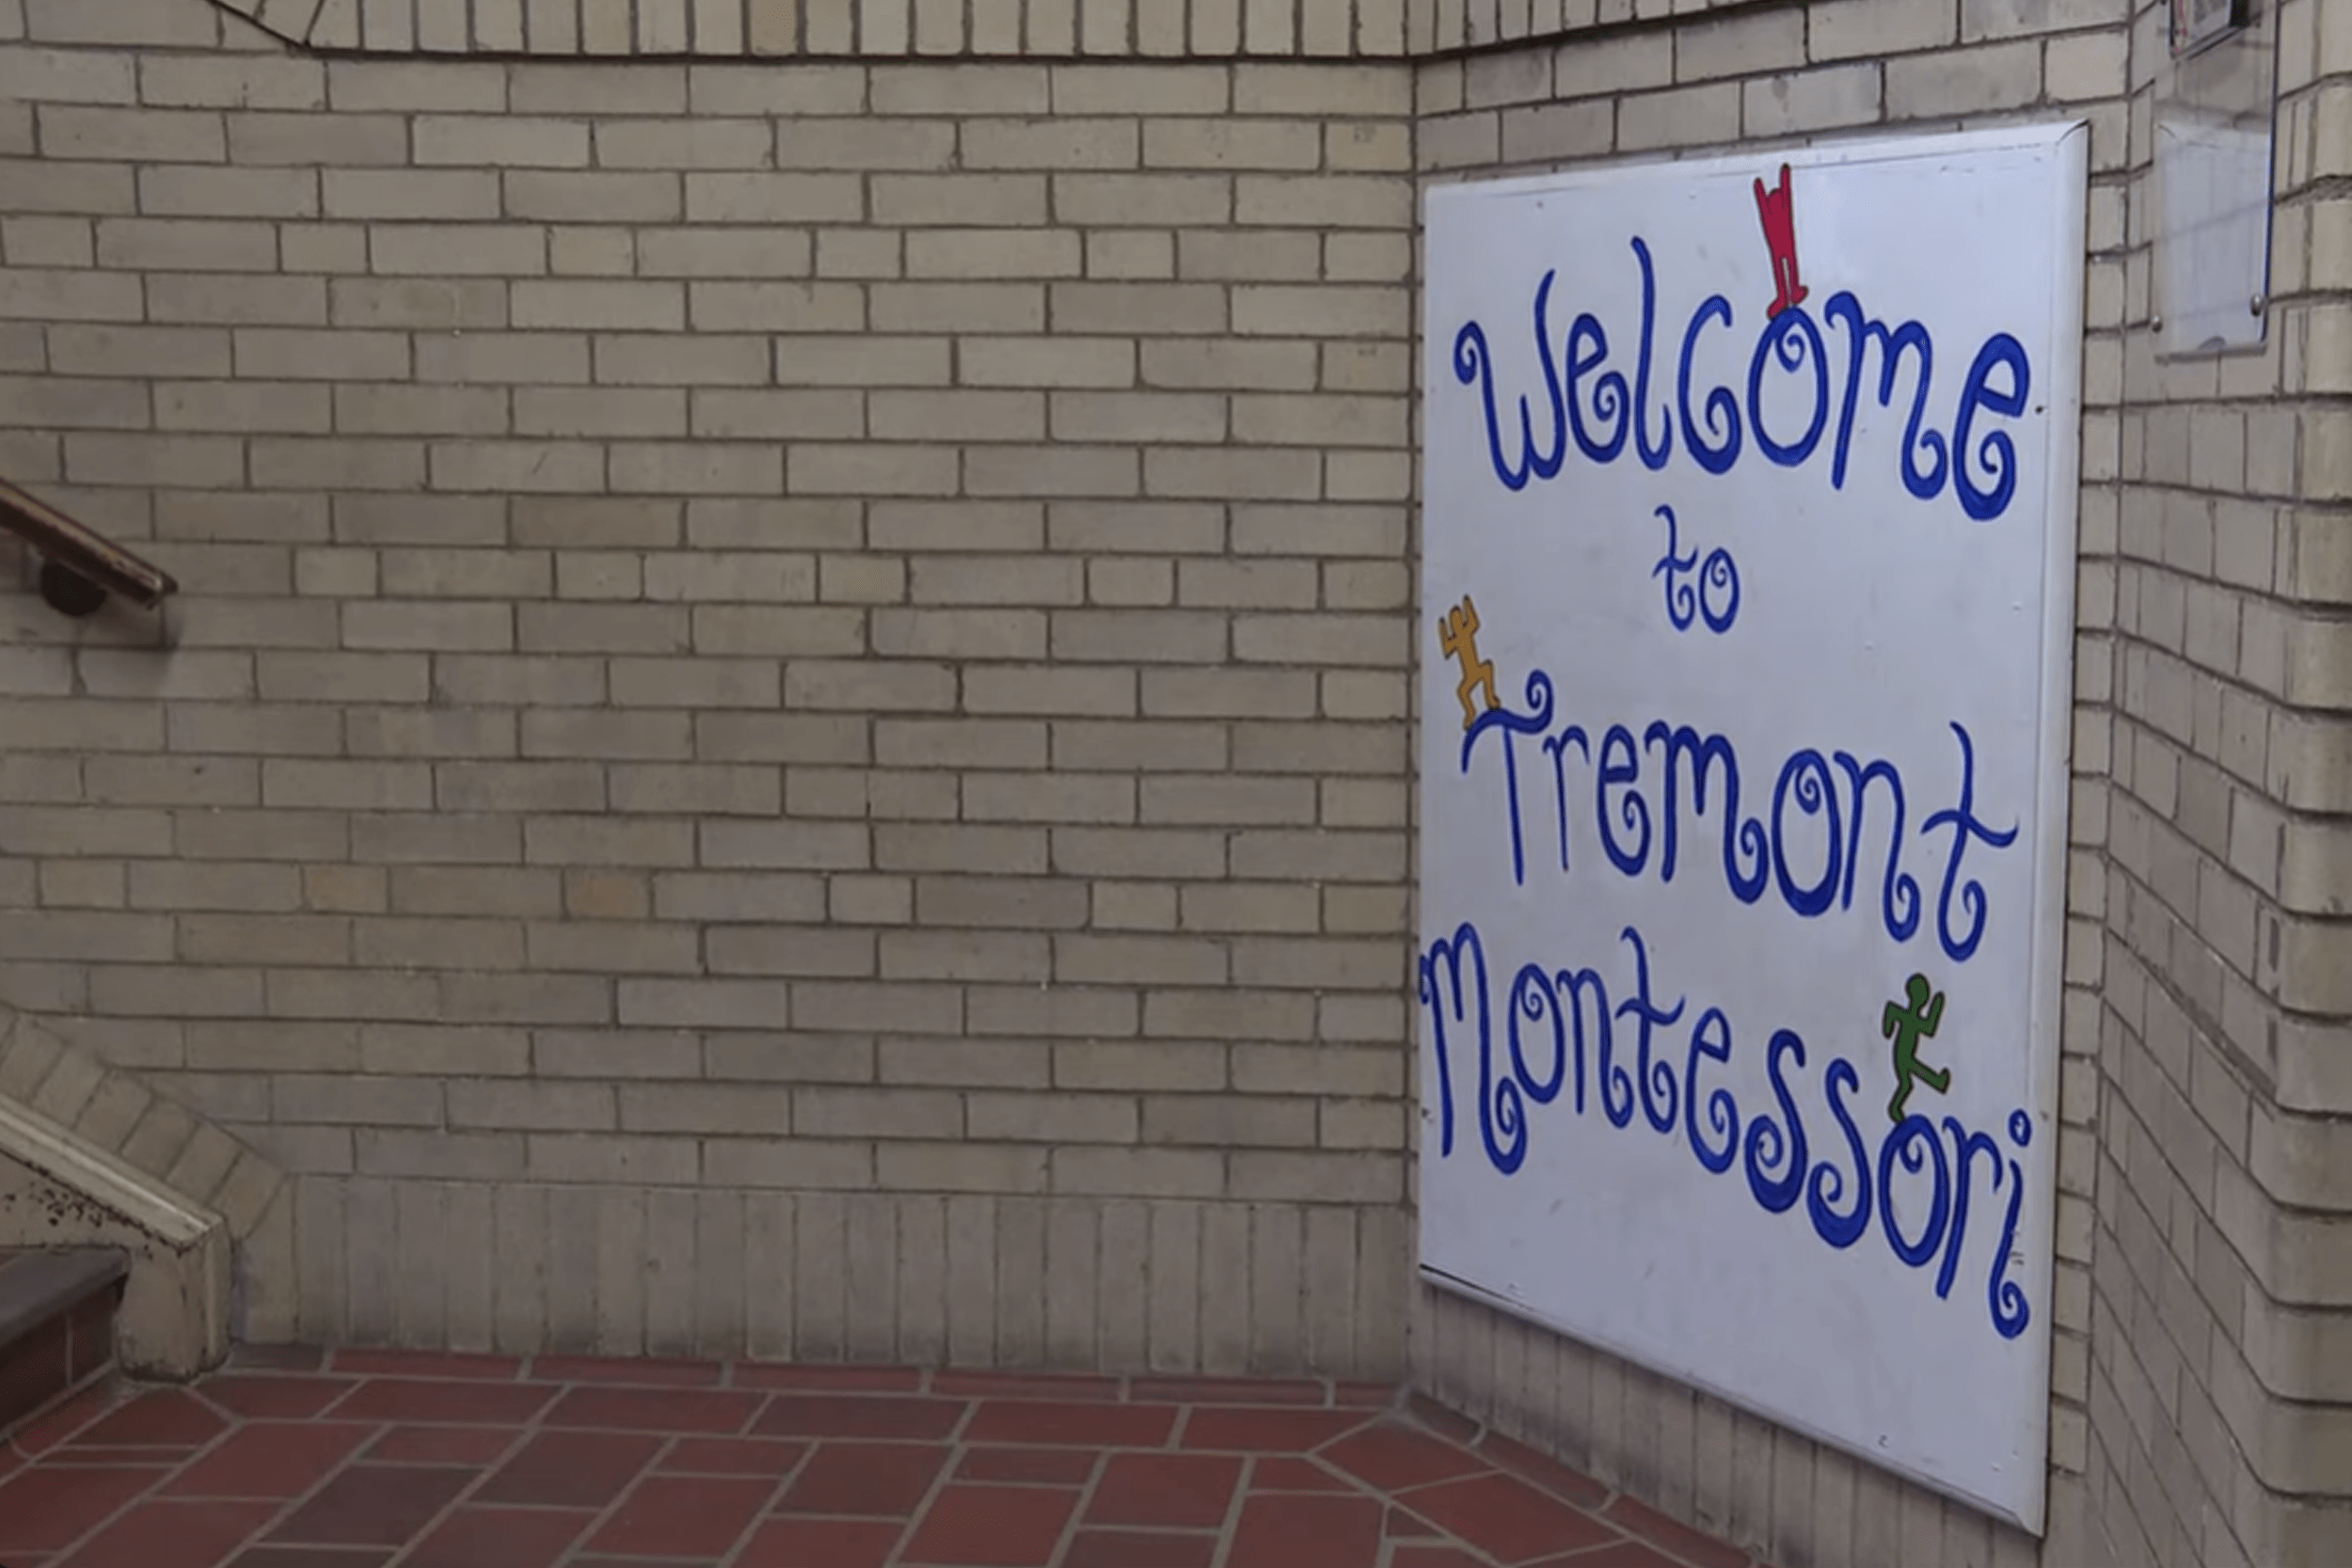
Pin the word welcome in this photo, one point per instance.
(1775, 849)
(1550, 1016)
(1718, 427)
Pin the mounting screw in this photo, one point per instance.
(2156, 324)
(68, 592)
(2256, 304)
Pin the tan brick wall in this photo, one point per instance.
(933, 30)
(2221, 1414)
(788, 734)
(2199, 1403)
(785, 721)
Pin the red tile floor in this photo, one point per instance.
(358, 1459)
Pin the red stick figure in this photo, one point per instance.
(1780, 237)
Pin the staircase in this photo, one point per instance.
(106, 1263)
(57, 1324)
(90, 1158)
(104, 1260)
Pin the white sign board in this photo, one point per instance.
(1748, 586)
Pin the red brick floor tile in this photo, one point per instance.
(455, 1403)
(499, 1538)
(1544, 1470)
(1093, 1425)
(887, 1481)
(278, 1358)
(571, 1469)
(707, 1411)
(44, 1433)
(1303, 1531)
(107, 1459)
(682, 1517)
(164, 1419)
(1269, 1430)
(476, 1446)
(822, 1544)
(1098, 1548)
(1437, 1418)
(373, 1505)
(1508, 1519)
(285, 1399)
(734, 1456)
(1642, 1520)
(859, 1416)
(1026, 1385)
(1624, 1554)
(652, 1372)
(173, 1535)
(49, 1506)
(1184, 1491)
(402, 1363)
(1391, 1458)
(1363, 1396)
(1032, 1467)
(494, 1463)
(992, 1526)
(1397, 1524)
(1224, 1390)
(270, 1459)
(843, 1380)
(1276, 1473)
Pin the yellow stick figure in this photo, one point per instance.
(1458, 638)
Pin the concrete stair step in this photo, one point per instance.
(56, 1324)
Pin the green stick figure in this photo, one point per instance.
(1907, 1028)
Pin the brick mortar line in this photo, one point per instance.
(1299, 47)
(233, 1424)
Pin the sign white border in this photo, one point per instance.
(2024, 1500)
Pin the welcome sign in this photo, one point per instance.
(1748, 586)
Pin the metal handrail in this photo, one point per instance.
(79, 568)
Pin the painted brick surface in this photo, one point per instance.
(789, 729)
(893, 29)
(2203, 1088)
(808, 646)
